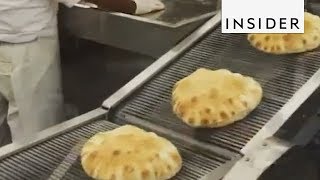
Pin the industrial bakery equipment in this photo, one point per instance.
(286, 117)
(151, 34)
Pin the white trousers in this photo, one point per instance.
(30, 82)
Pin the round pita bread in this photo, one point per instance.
(217, 98)
(290, 43)
(130, 153)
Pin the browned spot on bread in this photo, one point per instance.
(213, 93)
(213, 121)
(230, 100)
(304, 41)
(169, 168)
(258, 44)
(116, 152)
(175, 157)
(113, 177)
(180, 112)
(182, 107)
(194, 99)
(251, 37)
(265, 48)
(128, 168)
(207, 110)
(145, 173)
(128, 152)
(267, 38)
(245, 104)
(212, 96)
(92, 156)
(315, 38)
(191, 120)
(285, 38)
(272, 48)
(223, 115)
(161, 173)
(204, 121)
(157, 156)
(233, 113)
(151, 159)
(278, 48)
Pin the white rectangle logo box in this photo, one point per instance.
(262, 16)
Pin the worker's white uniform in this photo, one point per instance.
(30, 86)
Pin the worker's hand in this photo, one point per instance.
(147, 6)
(84, 4)
(129, 6)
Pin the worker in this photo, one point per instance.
(30, 82)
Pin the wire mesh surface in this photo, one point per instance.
(48, 159)
(280, 75)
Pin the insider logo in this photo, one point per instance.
(262, 16)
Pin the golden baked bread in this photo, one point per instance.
(209, 99)
(131, 153)
(290, 43)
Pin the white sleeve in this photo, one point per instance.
(69, 3)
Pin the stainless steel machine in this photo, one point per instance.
(151, 34)
(286, 117)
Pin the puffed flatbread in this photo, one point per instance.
(130, 153)
(290, 43)
(210, 99)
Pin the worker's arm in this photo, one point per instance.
(124, 6)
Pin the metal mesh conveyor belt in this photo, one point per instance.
(40, 161)
(280, 75)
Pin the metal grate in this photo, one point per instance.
(48, 159)
(280, 75)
